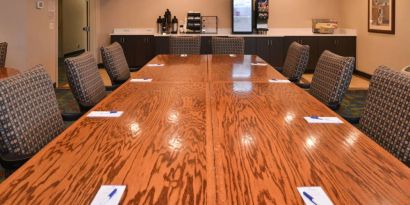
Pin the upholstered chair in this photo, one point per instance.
(85, 80)
(29, 116)
(3, 54)
(115, 63)
(331, 78)
(228, 45)
(386, 117)
(296, 61)
(185, 45)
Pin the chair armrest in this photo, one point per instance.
(71, 116)
(111, 88)
(280, 69)
(303, 85)
(352, 120)
(334, 106)
(12, 161)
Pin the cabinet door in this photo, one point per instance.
(129, 50)
(312, 42)
(276, 52)
(144, 49)
(150, 48)
(250, 45)
(263, 47)
(341, 45)
(161, 45)
(206, 45)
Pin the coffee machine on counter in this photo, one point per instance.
(167, 24)
(262, 16)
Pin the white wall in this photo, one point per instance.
(27, 30)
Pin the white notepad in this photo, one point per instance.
(141, 80)
(314, 196)
(259, 64)
(278, 81)
(184, 55)
(155, 65)
(109, 195)
(105, 114)
(320, 120)
(232, 55)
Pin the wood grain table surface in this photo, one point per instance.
(240, 68)
(8, 72)
(192, 68)
(212, 139)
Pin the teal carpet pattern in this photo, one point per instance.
(353, 103)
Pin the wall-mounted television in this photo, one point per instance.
(242, 16)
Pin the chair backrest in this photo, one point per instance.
(296, 61)
(115, 63)
(386, 117)
(407, 69)
(3, 54)
(185, 45)
(30, 117)
(85, 80)
(332, 78)
(228, 45)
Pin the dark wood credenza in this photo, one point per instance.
(139, 49)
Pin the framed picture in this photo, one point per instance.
(382, 16)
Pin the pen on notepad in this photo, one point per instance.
(110, 195)
(113, 111)
(315, 117)
(309, 197)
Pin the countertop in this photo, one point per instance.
(273, 32)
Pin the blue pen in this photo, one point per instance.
(112, 193)
(315, 117)
(113, 111)
(309, 197)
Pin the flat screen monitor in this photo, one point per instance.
(242, 16)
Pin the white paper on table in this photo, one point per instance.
(141, 80)
(232, 55)
(319, 196)
(155, 65)
(103, 195)
(278, 81)
(105, 114)
(259, 64)
(327, 120)
(184, 55)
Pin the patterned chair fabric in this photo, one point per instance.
(386, 117)
(228, 45)
(85, 80)
(185, 45)
(296, 61)
(331, 78)
(3, 53)
(115, 63)
(29, 113)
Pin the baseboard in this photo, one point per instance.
(363, 74)
(74, 53)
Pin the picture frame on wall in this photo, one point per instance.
(381, 16)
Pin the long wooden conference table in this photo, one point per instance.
(210, 130)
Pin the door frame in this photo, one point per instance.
(92, 21)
